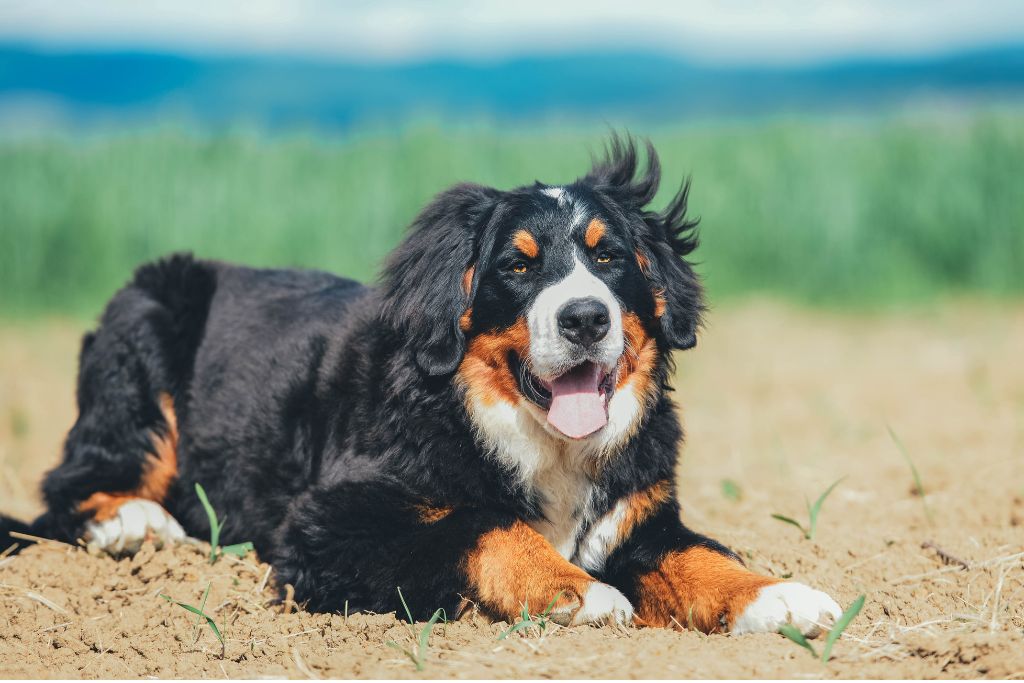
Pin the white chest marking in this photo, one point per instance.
(601, 539)
(555, 469)
(566, 497)
(550, 467)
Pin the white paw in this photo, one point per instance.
(134, 522)
(603, 604)
(809, 610)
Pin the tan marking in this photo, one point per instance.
(431, 513)
(516, 566)
(640, 505)
(466, 320)
(104, 506)
(697, 586)
(643, 262)
(659, 294)
(659, 303)
(485, 372)
(595, 231)
(639, 358)
(159, 471)
(526, 244)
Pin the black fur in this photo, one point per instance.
(664, 238)
(319, 414)
(422, 293)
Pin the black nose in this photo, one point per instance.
(584, 321)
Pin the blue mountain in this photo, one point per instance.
(276, 92)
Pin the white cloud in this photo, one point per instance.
(727, 30)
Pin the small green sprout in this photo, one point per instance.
(419, 651)
(812, 513)
(237, 549)
(913, 470)
(731, 490)
(201, 616)
(526, 621)
(794, 634)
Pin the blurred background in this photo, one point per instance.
(843, 153)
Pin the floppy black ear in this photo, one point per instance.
(663, 239)
(671, 236)
(423, 279)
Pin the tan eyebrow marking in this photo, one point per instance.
(595, 231)
(525, 243)
(467, 280)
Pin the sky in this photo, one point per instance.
(722, 32)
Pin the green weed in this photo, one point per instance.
(731, 490)
(812, 513)
(844, 620)
(216, 551)
(421, 641)
(526, 620)
(918, 486)
(19, 423)
(201, 616)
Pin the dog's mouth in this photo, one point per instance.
(576, 402)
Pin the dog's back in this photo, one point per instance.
(227, 342)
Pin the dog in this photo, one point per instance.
(490, 426)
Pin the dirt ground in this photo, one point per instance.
(779, 402)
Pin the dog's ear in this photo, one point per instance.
(677, 290)
(663, 240)
(428, 279)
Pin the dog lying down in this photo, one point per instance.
(490, 424)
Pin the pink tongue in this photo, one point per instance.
(577, 407)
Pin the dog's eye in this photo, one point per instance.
(604, 257)
(519, 267)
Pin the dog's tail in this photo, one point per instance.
(10, 545)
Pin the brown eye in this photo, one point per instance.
(604, 257)
(519, 267)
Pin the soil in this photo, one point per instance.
(778, 403)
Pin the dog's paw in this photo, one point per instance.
(602, 604)
(136, 521)
(809, 610)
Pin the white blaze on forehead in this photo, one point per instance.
(565, 200)
(579, 216)
(554, 192)
(550, 353)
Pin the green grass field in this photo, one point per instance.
(829, 211)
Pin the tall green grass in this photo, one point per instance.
(827, 211)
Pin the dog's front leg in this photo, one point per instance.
(512, 566)
(358, 543)
(677, 578)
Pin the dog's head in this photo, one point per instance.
(555, 301)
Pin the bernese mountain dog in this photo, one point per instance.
(490, 425)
